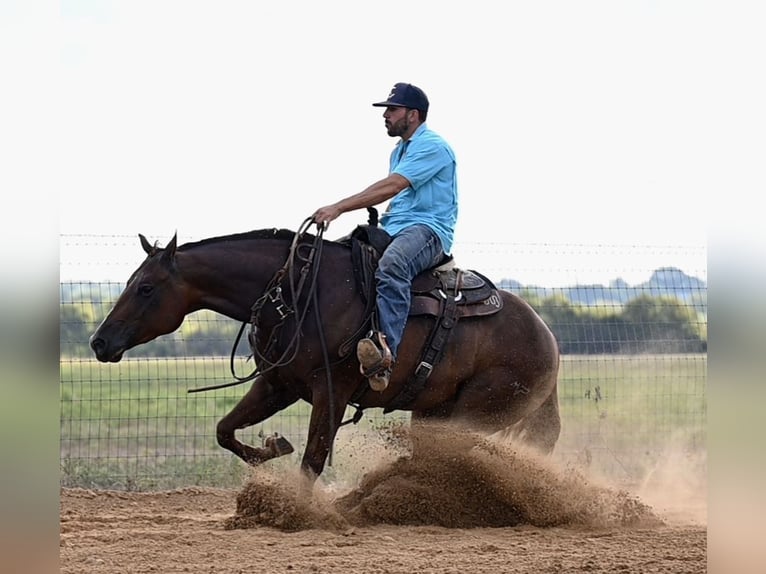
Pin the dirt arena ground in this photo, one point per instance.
(488, 509)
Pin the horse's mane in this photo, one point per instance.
(247, 235)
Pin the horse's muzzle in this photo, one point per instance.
(101, 349)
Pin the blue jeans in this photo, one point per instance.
(411, 251)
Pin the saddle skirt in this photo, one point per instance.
(474, 294)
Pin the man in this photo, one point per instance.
(421, 217)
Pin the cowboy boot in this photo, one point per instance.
(375, 360)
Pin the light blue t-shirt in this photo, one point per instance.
(428, 163)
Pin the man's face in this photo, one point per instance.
(397, 120)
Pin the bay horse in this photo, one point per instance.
(298, 293)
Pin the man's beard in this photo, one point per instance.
(399, 128)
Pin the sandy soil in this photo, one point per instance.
(485, 509)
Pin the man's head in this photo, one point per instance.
(406, 96)
(406, 108)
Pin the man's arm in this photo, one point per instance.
(376, 193)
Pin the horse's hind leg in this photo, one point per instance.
(541, 428)
(262, 401)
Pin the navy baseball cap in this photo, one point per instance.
(406, 96)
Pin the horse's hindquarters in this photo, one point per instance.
(497, 371)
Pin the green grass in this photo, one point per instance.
(134, 425)
(628, 412)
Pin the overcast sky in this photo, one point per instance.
(587, 122)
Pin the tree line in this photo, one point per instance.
(644, 324)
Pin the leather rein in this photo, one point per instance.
(273, 294)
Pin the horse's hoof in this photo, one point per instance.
(279, 445)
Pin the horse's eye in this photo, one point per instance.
(145, 289)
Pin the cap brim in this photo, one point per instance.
(387, 104)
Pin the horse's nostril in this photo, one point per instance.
(97, 344)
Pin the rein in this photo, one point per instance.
(273, 294)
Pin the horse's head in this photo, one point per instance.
(152, 304)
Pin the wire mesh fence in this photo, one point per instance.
(631, 384)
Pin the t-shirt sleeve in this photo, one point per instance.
(422, 163)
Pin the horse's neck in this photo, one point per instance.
(228, 278)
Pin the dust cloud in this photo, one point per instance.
(676, 487)
(441, 476)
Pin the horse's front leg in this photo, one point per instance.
(323, 426)
(265, 398)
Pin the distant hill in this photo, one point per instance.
(664, 282)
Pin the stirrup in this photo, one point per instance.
(379, 381)
(373, 354)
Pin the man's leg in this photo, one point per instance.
(411, 251)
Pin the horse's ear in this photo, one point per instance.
(148, 247)
(170, 249)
